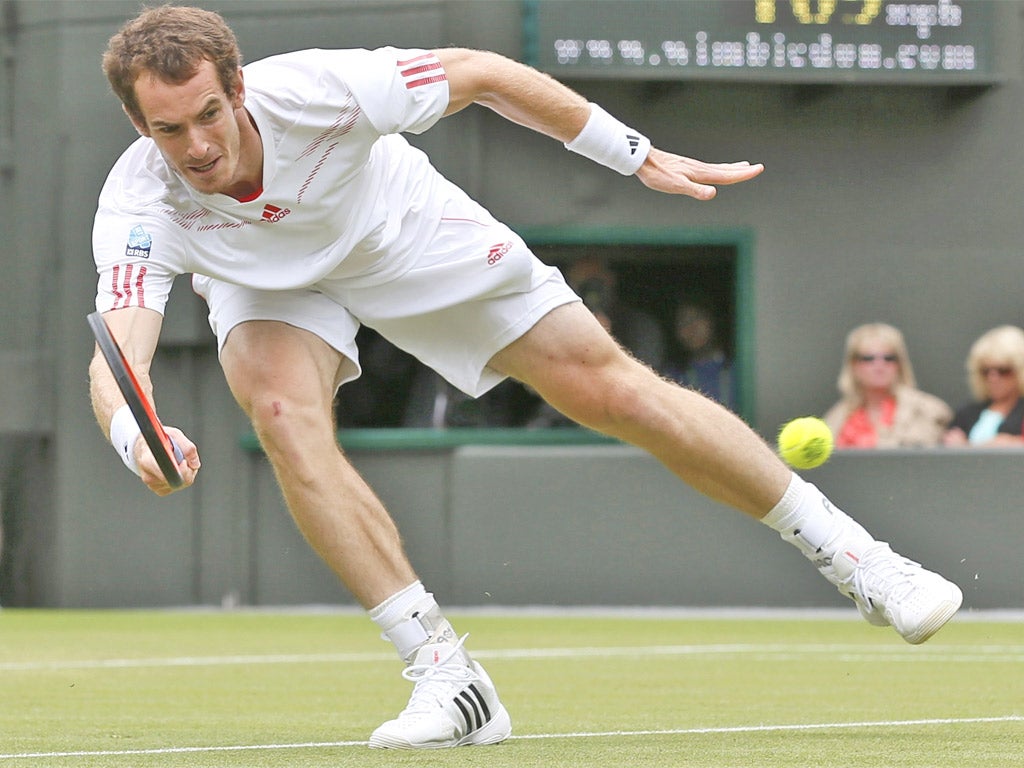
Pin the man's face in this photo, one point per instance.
(195, 127)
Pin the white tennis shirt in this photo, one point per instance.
(343, 195)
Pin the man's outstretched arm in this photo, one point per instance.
(531, 98)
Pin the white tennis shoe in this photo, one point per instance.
(891, 590)
(453, 704)
(888, 589)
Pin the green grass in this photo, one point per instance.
(159, 689)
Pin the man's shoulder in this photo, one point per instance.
(312, 68)
(141, 180)
(283, 67)
(377, 87)
(285, 85)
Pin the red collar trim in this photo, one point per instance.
(250, 198)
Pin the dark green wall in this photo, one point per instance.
(878, 203)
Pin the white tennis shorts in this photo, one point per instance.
(475, 289)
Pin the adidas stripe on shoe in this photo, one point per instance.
(453, 704)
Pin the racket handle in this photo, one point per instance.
(178, 455)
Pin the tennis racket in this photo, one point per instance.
(165, 451)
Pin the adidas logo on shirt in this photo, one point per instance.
(271, 213)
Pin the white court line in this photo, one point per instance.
(537, 737)
(196, 661)
(756, 651)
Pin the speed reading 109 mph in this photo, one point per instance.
(922, 16)
(942, 42)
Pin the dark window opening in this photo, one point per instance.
(650, 280)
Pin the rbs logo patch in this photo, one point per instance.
(139, 243)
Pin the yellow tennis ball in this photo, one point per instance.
(805, 443)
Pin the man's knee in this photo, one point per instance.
(607, 397)
(274, 370)
(627, 396)
(257, 388)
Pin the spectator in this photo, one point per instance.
(995, 375)
(702, 363)
(881, 406)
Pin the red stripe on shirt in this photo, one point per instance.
(140, 291)
(425, 81)
(421, 57)
(114, 286)
(126, 285)
(124, 289)
(420, 69)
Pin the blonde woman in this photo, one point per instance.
(995, 374)
(881, 406)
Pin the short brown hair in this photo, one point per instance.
(170, 42)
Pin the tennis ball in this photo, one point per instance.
(805, 443)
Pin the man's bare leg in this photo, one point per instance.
(285, 379)
(591, 380)
(570, 360)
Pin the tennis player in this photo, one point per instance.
(286, 189)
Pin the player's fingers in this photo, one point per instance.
(738, 165)
(701, 183)
(697, 191)
(157, 483)
(675, 174)
(678, 184)
(725, 174)
(154, 478)
(189, 452)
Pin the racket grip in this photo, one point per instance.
(178, 455)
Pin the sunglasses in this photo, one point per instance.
(873, 358)
(998, 370)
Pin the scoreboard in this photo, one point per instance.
(941, 42)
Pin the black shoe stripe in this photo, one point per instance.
(478, 718)
(465, 714)
(483, 703)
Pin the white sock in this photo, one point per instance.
(398, 606)
(812, 523)
(410, 619)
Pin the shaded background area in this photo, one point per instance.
(882, 202)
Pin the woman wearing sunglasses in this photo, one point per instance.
(994, 374)
(881, 406)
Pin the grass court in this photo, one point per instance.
(156, 689)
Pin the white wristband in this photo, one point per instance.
(124, 432)
(612, 144)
